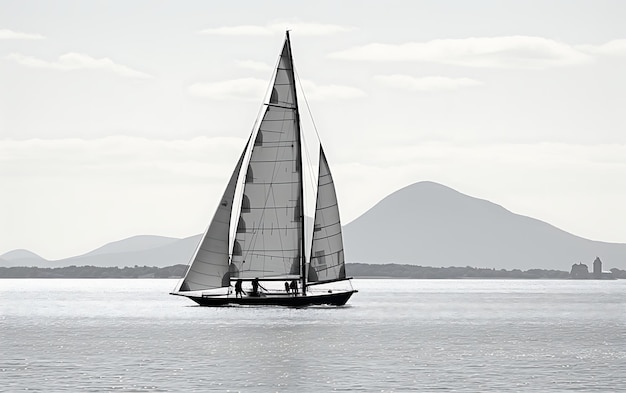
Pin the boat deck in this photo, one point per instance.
(272, 299)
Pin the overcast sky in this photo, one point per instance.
(120, 118)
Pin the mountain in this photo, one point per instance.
(135, 243)
(424, 224)
(156, 251)
(21, 258)
(430, 224)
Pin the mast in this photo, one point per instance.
(300, 172)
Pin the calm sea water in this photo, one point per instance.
(395, 335)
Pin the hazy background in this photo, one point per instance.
(125, 118)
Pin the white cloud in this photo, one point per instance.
(238, 30)
(426, 84)
(78, 61)
(330, 92)
(488, 52)
(119, 156)
(524, 155)
(254, 65)
(244, 89)
(611, 48)
(300, 28)
(311, 29)
(6, 34)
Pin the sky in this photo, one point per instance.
(123, 118)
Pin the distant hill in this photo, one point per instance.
(175, 271)
(135, 243)
(21, 258)
(430, 224)
(156, 251)
(166, 254)
(424, 224)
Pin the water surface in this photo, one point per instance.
(394, 336)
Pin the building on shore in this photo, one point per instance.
(580, 271)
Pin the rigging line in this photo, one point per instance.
(311, 185)
(311, 172)
(312, 121)
(308, 108)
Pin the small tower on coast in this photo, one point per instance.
(597, 268)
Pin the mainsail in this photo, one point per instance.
(327, 260)
(209, 266)
(268, 240)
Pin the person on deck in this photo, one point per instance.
(238, 289)
(255, 287)
(287, 287)
(294, 287)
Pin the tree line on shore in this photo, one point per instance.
(358, 270)
(175, 271)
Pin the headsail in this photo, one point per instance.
(269, 232)
(327, 259)
(209, 267)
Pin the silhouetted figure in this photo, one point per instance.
(238, 289)
(294, 287)
(255, 287)
(287, 287)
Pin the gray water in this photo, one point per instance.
(91, 335)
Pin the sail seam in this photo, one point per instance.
(327, 237)
(204, 274)
(325, 255)
(281, 106)
(327, 207)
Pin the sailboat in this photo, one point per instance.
(254, 251)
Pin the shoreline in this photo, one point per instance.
(356, 270)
